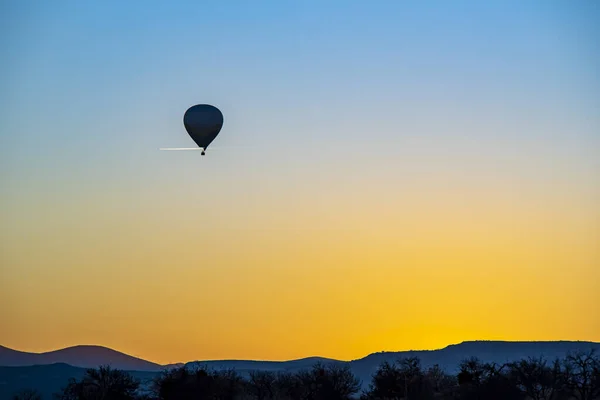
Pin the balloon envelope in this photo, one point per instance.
(203, 123)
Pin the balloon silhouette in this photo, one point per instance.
(203, 123)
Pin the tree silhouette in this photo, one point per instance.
(581, 375)
(386, 383)
(103, 383)
(328, 382)
(535, 379)
(405, 379)
(289, 386)
(416, 385)
(488, 381)
(498, 384)
(471, 372)
(441, 382)
(263, 385)
(198, 383)
(229, 385)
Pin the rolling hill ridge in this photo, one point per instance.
(83, 356)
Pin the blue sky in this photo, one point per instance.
(311, 84)
(325, 91)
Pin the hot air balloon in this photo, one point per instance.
(203, 123)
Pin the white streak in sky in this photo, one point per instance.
(200, 148)
(181, 148)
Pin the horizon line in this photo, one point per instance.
(296, 359)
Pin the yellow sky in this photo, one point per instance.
(341, 275)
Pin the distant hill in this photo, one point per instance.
(77, 356)
(51, 377)
(450, 357)
(176, 365)
(250, 365)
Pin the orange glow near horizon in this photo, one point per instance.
(436, 274)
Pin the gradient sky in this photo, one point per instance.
(391, 175)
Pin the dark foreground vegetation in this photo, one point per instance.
(575, 377)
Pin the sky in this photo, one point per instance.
(389, 176)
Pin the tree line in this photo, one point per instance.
(575, 377)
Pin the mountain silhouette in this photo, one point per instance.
(450, 357)
(84, 356)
